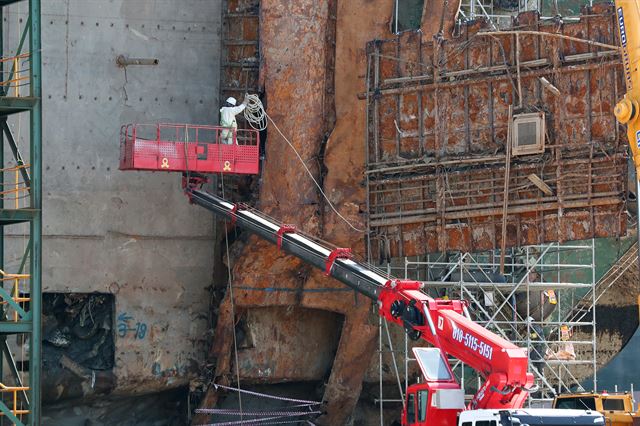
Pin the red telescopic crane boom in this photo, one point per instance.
(445, 324)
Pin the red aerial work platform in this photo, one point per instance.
(187, 147)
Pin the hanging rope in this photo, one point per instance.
(233, 307)
(258, 119)
(264, 395)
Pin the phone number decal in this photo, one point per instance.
(473, 343)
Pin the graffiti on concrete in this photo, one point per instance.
(128, 328)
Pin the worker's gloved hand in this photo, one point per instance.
(245, 100)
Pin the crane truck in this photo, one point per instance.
(445, 324)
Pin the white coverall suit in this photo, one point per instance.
(228, 119)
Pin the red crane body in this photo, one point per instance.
(445, 324)
(448, 328)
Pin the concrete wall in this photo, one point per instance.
(129, 233)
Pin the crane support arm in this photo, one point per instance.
(627, 111)
(443, 323)
(345, 270)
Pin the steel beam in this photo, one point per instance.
(13, 327)
(35, 352)
(12, 216)
(16, 152)
(11, 105)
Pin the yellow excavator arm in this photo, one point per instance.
(627, 111)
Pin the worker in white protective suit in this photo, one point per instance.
(228, 119)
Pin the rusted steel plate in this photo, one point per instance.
(438, 122)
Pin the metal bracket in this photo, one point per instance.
(192, 181)
(338, 253)
(284, 229)
(399, 285)
(233, 215)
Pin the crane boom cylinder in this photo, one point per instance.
(345, 270)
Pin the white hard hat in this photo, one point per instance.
(231, 100)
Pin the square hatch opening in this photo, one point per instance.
(528, 134)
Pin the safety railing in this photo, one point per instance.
(14, 189)
(190, 133)
(15, 298)
(189, 148)
(14, 291)
(17, 77)
(16, 408)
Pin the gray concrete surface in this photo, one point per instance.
(129, 233)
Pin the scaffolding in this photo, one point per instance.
(20, 212)
(547, 292)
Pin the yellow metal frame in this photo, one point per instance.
(627, 110)
(18, 188)
(17, 74)
(18, 412)
(16, 408)
(16, 278)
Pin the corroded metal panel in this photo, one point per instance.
(438, 117)
(283, 330)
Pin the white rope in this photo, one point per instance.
(258, 118)
(254, 112)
